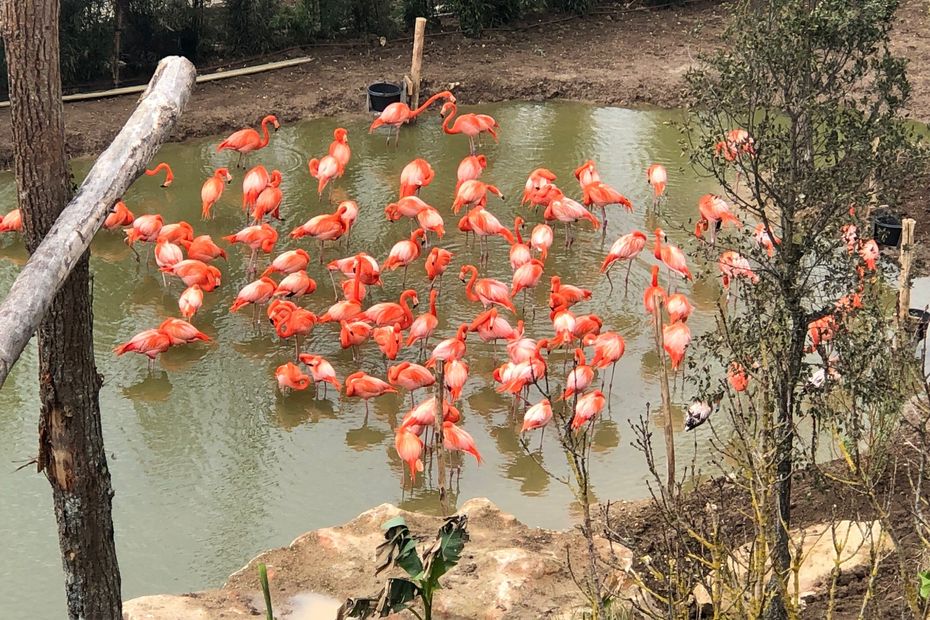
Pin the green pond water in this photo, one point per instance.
(211, 464)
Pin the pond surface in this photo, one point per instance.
(211, 464)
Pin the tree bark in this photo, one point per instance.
(71, 452)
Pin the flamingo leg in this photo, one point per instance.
(404, 283)
(333, 280)
(626, 281)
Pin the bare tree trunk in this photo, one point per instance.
(71, 449)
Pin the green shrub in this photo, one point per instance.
(476, 15)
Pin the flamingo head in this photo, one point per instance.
(660, 234)
(412, 296)
(223, 173)
(418, 236)
(447, 108)
(271, 118)
(433, 296)
(518, 223)
(341, 135)
(275, 178)
(462, 332)
(466, 269)
(588, 340)
(639, 234)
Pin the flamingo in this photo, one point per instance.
(150, 342)
(177, 233)
(537, 185)
(192, 271)
(420, 416)
(714, 209)
(424, 325)
(474, 193)
(579, 378)
(676, 337)
(144, 228)
(600, 194)
(436, 264)
(296, 284)
(203, 248)
(609, 347)
(253, 183)
(485, 290)
(180, 331)
(295, 323)
(563, 323)
(247, 140)
(167, 254)
(737, 377)
(321, 370)
(398, 113)
(450, 348)
(405, 252)
(765, 239)
(567, 293)
(415, 175)
(259, 237)
(587, 173)
(569, 211)
(190, 301)
(410, 377)
(471, 125)
(627, 247)
(541, 240)
(389, 339)
(324, 170)
(339, 147)
(162, 166)
(734, 265)
(587, 324)
(671, 255)
(735, 143)
(258, 292)
(406, 206)
(327, 227)
(678, 307)
(353, 334)
(456, 375)
(212, 189)
(366, 387)
(269, 200)
(387, 313)
(288, 262)
(409, 448)
(457, 438)
(869, 253)
(291, 377)
(653, 292)
(491, 327)
(587, 407)
(348, 217)
(347, 309)
(484, 224)
(119, 217)
(537, 416)
(526, 277)
(430, 221)
(519, 251)
(470, 169)
(657, 177)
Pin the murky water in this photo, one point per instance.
(211, 464)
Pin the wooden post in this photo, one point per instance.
(666, 395)
(416, 62)
(904, 281)
(438, 438)
(113, 172)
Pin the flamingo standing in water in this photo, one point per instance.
(486, 290)
(424, 325)
(169, 175)
(569, 211)
(167, 254)
(714, 212)
(254, 181)
(192, 271)
(268, 201)
(288, 262)
(653, 292)
(409, 448)
(470, 169)
(247, 140)
(657, 177)
(398, 113)
(541, 240)
(339, 147)
(119, 217)
(676, 337)
(367, 387)
(609, 347)
(625, 248)
(484, 224)
(327, 227)
(291, 377)
(519, 251)
(418, 173)
(436, 264)
(471, 125)
(262, 237)
(588, 406)
(538, 184)
(410, 377)
(190, 301)
(450, 348)
(212, 189)
(600, 194)
(321, 370)
(537, 416)
(203, 248)
(150, 342)
(671, 255)
(474, 193)
(405, 252)
(587, 173)
(258, 293)
(324, 170)
(387, 313)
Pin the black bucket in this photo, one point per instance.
(919, 319)
(886, 230)
(381, 95)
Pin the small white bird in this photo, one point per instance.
(698, 413)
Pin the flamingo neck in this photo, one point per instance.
(426, 104)
(265, 136)
(446, 122)
(432, 305)
(518, 234)
(408, 314)
(470, 285)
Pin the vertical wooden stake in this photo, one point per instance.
(438, 438)
(904, 281)
(416, 62)
(666, 396)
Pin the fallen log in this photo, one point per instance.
(114, 171)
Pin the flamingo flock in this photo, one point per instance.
(415, 355)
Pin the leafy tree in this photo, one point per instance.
(820, 95)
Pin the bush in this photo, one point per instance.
(579, 7)
(476, 15)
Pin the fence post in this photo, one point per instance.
(416, 63)
(904, 280)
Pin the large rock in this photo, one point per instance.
(507, 570)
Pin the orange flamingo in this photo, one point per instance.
(485, 224)
(182, 332)
(418, 173)
(456, 375)
(657, 177)
(387, 313)
(321, 370)
(247, 140)
(410, 377)
(339, 147)
(600, 194)
(567, 293)
(405, 252)
(268, 201)
(765, 239)
(734, 265)
(212, 189)
(407, 206)
(162, 166)
(474, 193)
(587, 173)
(258, 293)
(150, 342)
(327, 227)
(471, 125)
(167, 254)
(178, 233)
(678, 307)
(190, 301)
(869, 253)
(569, 211)
(677, 337)
(541, 240)
(430, 221)
(366, 387)
(654, 290)
(625, 248)
(203, 248)
(144, 228)
(324, 170)
(436, 264)
(737, 377)
(409, 448)
(486, 290)
(291, 377)
(192, 271)
(389, 339)
(526, 276)
(288, 262)
(537, 416)
(579, 378)
(671, 255)
(450, 348)
(519, 251)
(587, 407)
(715, 213)
(537, 186)
(296, 284)
(253, 183)
(609, 347)
(470, 169)
(260, 237)
(491, 327)
(396, 114)
(424, 325)
(457, 438)
(295, 324)
(119, 217)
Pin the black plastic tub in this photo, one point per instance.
(886, 230)
(381, 95)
